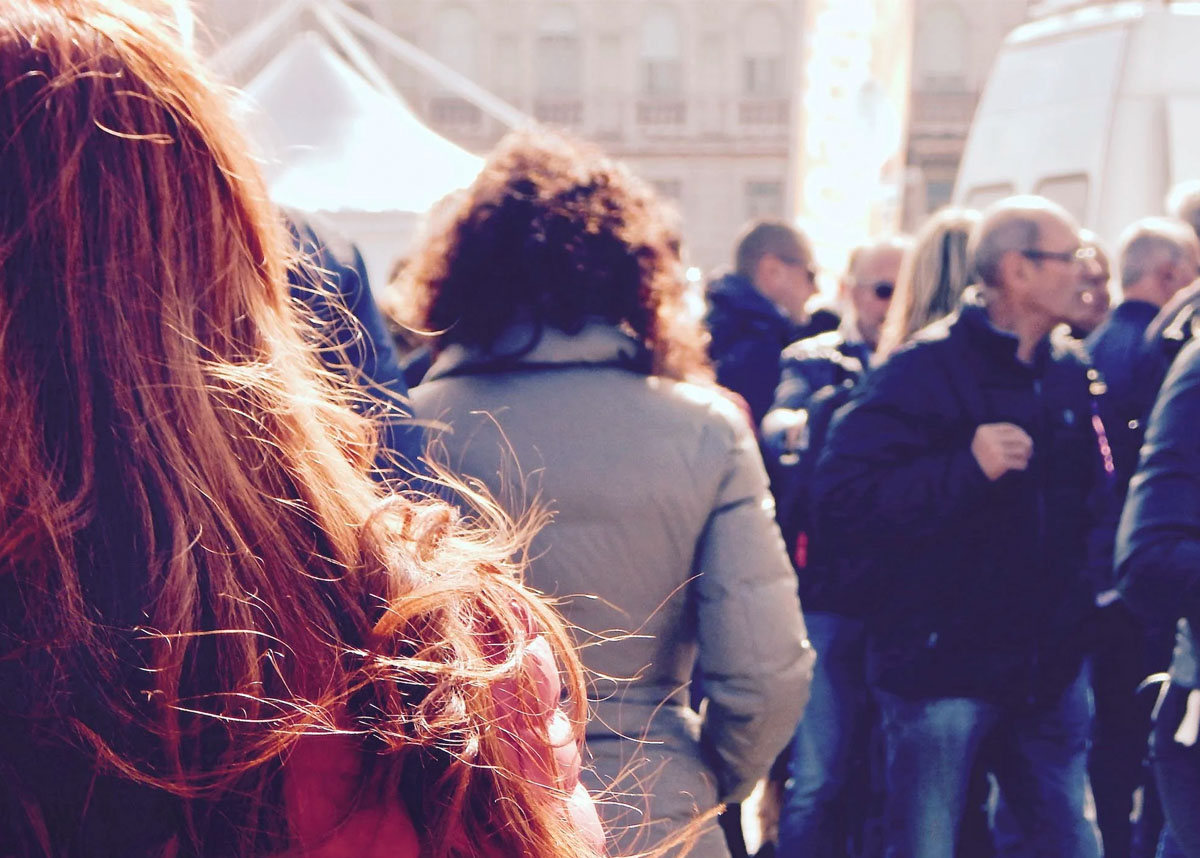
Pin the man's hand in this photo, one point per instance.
(1000, 448)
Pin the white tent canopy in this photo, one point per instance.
(335, 146)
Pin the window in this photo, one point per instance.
(938, 193)
(609, 56)
(982, 196)
(506, 65)
(764, 199)
(1070, 192)
(454, 38)
(763, 52)
(558, 51)
(661, 53)
(940, 47)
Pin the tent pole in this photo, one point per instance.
(366, 66)
(406, 52)
(233, 56)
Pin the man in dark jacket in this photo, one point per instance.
(1158, 555)
(832, 357)
(964, 476)
(1157, 257)
(760, 307)
(821, 813)
(352, 339)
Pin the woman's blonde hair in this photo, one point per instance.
(932, 277)
(196, 568)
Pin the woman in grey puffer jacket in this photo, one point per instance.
(561, 381)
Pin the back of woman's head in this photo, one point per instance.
(554, 234)
(195, 569)
(932, 277)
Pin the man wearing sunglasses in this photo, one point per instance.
(821, 811)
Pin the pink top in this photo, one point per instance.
(321, 779)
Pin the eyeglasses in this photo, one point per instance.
(884, 290)
(1069, 257)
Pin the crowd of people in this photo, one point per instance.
(259, 598)
(950, 465)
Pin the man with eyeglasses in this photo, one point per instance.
(962, 481)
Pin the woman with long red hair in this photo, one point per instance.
(217, 635)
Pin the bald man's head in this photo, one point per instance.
(1012, 225)
(870, 281)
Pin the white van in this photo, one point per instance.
(1097, 108)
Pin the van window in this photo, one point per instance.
(1070, 192)
(1183, 128)
(984, 195)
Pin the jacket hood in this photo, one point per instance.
(596, 343)
(734, 293)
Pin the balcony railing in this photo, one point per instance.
(450, 111)
(659, 112)
(558, 111)
(943, 108)
(617, 116)
(769, 112)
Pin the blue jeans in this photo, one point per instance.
(1177, 769)
(826, 741)
(1040, 767)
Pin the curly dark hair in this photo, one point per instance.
(555, 234)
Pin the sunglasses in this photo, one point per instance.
(884, 290)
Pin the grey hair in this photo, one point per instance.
(1183, 201)
(895, 241)
(1145, 242)
(1011, 224)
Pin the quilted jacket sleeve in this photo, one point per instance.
(754, 658)
(1158, 541)
(897, 464)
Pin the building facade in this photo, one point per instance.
(695, 95)
(954, 45)
(698, 96)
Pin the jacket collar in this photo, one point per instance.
(736, 293)
(596, 343)
(995, 344)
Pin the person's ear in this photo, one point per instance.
(1014, 267)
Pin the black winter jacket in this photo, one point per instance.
(1118, 350)
(811, 364)
(972, 588)
(1158, 542)
(748, 335)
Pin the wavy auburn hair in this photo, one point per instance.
(555, 234)
(196, 568)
